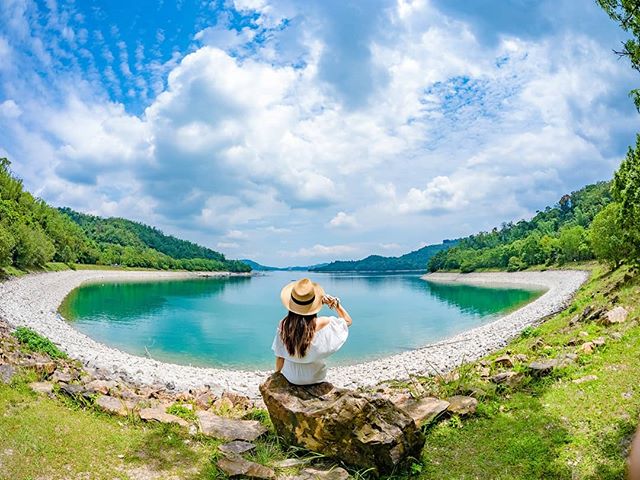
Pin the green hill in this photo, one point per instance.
(416, 260)
(556, 235)
(33, 233)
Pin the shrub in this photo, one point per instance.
(183, 411)
(35, 342)
(7, 243)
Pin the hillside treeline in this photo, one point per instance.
(33, 233)
(600, 221)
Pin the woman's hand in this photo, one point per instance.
(331, 302)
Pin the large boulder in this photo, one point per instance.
(366, 431)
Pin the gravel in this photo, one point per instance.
(33, 300)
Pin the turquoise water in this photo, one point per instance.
(231, 322)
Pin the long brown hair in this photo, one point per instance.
(297, 332)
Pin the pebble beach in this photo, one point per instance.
(33, 301)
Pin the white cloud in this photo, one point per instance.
(10, 109)
(343, 219)
(324, 251)
(227, 245)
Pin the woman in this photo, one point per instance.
(303, 339)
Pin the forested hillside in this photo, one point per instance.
(416, 260)
(557, 235)
(33, 233)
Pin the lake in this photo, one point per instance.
(230, 322)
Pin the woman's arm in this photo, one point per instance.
(344, 314)
(279, 364)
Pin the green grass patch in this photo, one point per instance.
(184, 411)
(34, 342)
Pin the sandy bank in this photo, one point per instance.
(33, 300)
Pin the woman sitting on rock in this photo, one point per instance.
(303, 339)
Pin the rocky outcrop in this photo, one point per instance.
(213, 425)
(367, 431)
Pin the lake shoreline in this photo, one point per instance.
(33, 301)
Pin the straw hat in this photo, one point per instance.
(303, 297)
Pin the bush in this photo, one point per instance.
(7, 243)
(33, 248)
(35, 342)
(515, 264)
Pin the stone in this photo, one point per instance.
(101, 386)
(591, 313)
(204, 400)
(485, 372)
(74, 390)
(367, 431)
(45, 388)
(541, 368)
(510, 378)
(111, 405)
(422, 410)
(538, 344)
(213, 425)
(588, 378)
(616, 335)
(337, 473)
(521, 357)
(586, 347)
(234, 465)
(157, 414)
(573, 342)
(504, 361)
(289, 462)
(462, 405)
(44, 368)
(237, 446)
(7, 372)
(63, 377)
(617, 315)
(238, 400)
(599, 342)
(222, 404)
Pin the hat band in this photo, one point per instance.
(303, 302)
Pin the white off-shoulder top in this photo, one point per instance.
(311, 368)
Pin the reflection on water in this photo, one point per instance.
(231, 321)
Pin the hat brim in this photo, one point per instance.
(313, 307)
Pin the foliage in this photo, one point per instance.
(607, 236)
(183, 411)
(627, 14)
(415, 260)
(553, 236)
(32, 233)
(626, 190)
(35, 342)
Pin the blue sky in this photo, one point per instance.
(300, 132)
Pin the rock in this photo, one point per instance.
(588, 378)
(112, 405)
(504, 361)
(510, 378)
(290, 462)
(63, 377)
(587, 347)
(7, 372)
(521, 357)
(215, 426)
(74, 390)
(148, 391)
(238, 400)
(234, 465)
(591, 313)
(422, 410)
(101, 386)
(237, 446)
(368, 431)
(617, 315)
(158, 414)
(599, 342)
(44, 368)
(616, 335)
(573, 342)
(485, 372)
(584, 334)
(462, 405)
(45, 388)
(538, 344)
(222, 404)
(542, 368)
(204, 400)
(337, 473)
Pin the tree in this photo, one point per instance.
(7, 243)
(626, 190)
(627, 14)
(571, 241)
(607, 236)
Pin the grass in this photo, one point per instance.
(540, 428)
(34, 342)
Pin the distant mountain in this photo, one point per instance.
(264, 268)
(413, 261)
